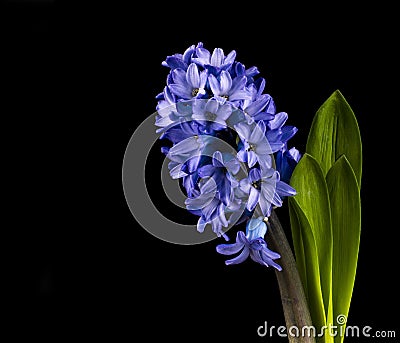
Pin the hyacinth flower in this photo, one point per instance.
(211, 96)
(215, 62)
(223, 168)
(230, 153)
(181, 61)
(188, 84)
(265, 189)
(225, 89)
(207, 202)
(252, 244)
(286, 161)
(212, 114)
(256, 148)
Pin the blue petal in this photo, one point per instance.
(168, 95)
(279, 120)
(192, 164)
(212, 70)
(243, 130)
(224, 112)
(212, 106)
(256, 257)
(232, 165)
(269, 253)
(269, 262)
(229, 249)
(203, 55)
(184, 149)
(201, 224)
(184, 108)
(207, 170)
(176, 172)
(200, 202)
(265, 201)
(214, 85)
(192, 76)
(179, 76)
(240, 258)
(242, 155)
(238, 83)
(260, 83)
(252, 71)
(203, 78)
(251, 158)
(240, 69)
(217, 57)
(255, 228)
(284, 189)
(263, 116)
(239, 95)
(225, 83)
(270, 108)
(257, 106)
(164, 150)
(224, 190)
(181, 91)
(295, 154)
(217, 159)
(254, 175)
(230, 58)
(209, 186)
(187, 55)
(209, 211)
(245, 185)
(175, 62)
(258, 134)
(288, 132)
(253, 199)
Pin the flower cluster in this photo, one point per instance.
(228, 146)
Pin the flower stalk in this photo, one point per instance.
(294, 302)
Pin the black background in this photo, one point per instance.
(82, 79)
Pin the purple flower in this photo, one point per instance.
(239, 70)
(181, 61)
(183, 130)
(256, 147)
(188, 84)
(222, 169)
(216, 62)
(286, 161)
(226, 89)
(207, 202)
(213, 112)
(256, 248)
(260, 106)
(278, 133)
(210, 99)
(186, 155)
(264, 189)
(165, 107)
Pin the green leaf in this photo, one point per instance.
(307, 263)
(346, 223)
(334, 132)
(312, 198)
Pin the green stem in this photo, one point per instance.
(294, 302)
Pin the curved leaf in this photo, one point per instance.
(307, 262)
(346, 223)
(334, 132)
(312, 198)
